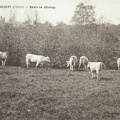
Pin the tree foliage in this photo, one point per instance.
(84, 14)
(98, 42)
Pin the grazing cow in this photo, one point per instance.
(96, 68)
(118, 63)
(83, 61)
(72, 62)
(3, 57)
(38, 59)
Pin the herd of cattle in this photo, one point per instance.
(95, 67)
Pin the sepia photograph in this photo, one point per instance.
(59, 59)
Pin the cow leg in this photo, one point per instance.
(2, 63)
(27, 65)
(98, 75)
(79, 64)
(85, 66)
(37, 64)
(118, 67)
(92, 75)
(71, 67)
(27, 62)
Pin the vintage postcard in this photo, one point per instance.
(59, 59)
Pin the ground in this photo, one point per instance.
(58, 94)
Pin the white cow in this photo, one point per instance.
(83, 61)
(38, 59)
(3, 57)
(72, 62)
(118, 63)
(96, 68)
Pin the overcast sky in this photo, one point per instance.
(62, 10)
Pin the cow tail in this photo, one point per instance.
(104, 65)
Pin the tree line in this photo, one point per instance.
(97, 41)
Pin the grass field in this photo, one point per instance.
(58, 94)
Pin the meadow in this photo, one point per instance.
(58, 94)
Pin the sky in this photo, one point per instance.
(59, 10)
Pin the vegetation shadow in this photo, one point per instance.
(107, 78)
(82, 70)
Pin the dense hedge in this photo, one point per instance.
(97, 42)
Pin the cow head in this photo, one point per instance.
(47, 59)
(88, 65)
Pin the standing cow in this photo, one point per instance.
(72, 62)
(38, 59)
(96, 68)
(3, 57)
(83, 61)
(118, 63)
